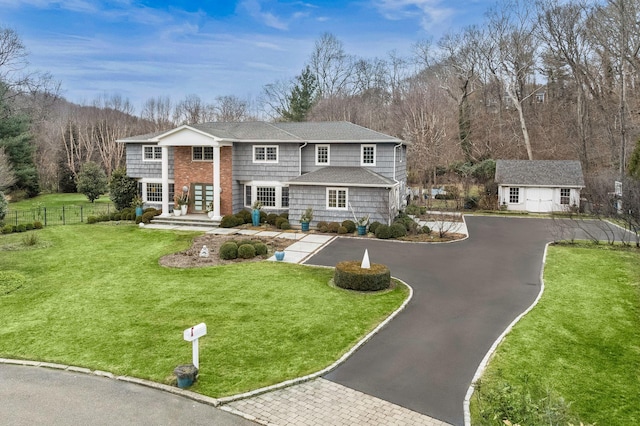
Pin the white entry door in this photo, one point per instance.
(539, 199)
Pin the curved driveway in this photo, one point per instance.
(465, 294)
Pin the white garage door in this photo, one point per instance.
(539, 199)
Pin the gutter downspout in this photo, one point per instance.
(394, 179)
(300, 158)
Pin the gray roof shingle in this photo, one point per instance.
(352, 176)
(311, 131)
(539, 173)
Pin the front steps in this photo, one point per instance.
(193, 220)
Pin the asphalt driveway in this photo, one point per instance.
(466, 294)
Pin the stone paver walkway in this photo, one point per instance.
(321, 402)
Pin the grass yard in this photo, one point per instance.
(95, 296)
(576, 355)
(58, 200)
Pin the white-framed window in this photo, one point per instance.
(514, 195)
(367, 155)
(337, 198)
(565, 196)
(272, 195)
(151, 191)
(151, 153)
(265, 153)
(322, 155)
(202, 153)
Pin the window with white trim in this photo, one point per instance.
(151, 153)
(565, 196)
(152, 192)
(514, 195)
(265, 153)
(368, 155)
(202, 153)
(322, 155)
(269, 195)
(337, 198)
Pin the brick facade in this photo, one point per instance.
(187, 172)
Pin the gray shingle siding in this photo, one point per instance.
(244, 169)
(138, 168)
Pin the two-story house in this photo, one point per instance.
(337, 168)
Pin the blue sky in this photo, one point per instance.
(146, 48)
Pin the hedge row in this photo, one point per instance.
(23, 227)
(126, 214)
(350, 275)
(280, 221)
(245, 249)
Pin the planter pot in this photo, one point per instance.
(186, 375)
(305, 226)
(177, 212)
(139, 211)
(210, 214)
(183, 209)
(279, 256)
(362, 229)
(255, 217)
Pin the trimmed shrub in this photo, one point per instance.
(333, 227)
(229, 221)
(112, 216)
(426, 229)
(350, 225)
(7, 229)
(245, 242)
(148, 209)
(245, 215)
(117, 216)
(229, 250)
(29, 226)
(92, 219)
(21, 228)
(398, 230)
(272, 218)
(342, 230)
(285, 215)
(246, 251)
(146, 217)
(349, 275)
(261, 249)
(383, 232)
(103, 218)
(37, 225)
(413, 209)
(138, 219)
(323, 228)
(263, 216)
(322, 224)
(373, 226)
(285, 226)
(279, 221)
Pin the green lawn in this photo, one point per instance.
(576, 355)
(95, 296)
(58, 200)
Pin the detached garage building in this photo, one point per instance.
(539, 186)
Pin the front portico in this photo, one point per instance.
(194, 150)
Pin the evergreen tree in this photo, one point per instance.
(634, 162)
(302, 97)
(18, 145)
(122, 189)
(92, 181)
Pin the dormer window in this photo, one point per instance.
(367, 155)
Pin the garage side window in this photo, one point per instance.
(565, 196)
(514, 195)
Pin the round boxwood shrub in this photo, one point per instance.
(398, 230)
(117, 216)
(322, 224)
(37, 225)
(146, 217)
(21, 228)
(285, 215)
(426, 229)
(229, 250)
(261, 248)
(7, 229)
(342, 230)
(373, 226)
(245, 215)
(29, 226)
(349, 275)
(263, 216)
(350, 225)
(279, 221)
(333, 227)
(271, 218)
(245, 241)
(383, 232)
(246, 251)
(92, 219)
(285, 226)
(229, 221)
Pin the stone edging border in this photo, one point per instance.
(485, 361)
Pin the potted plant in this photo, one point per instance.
(255, 213)
(183, 202)
(210, 210)
(305, 218)
(138, 204)
(362, 225)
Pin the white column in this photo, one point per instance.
(216, 183)
(165, 181)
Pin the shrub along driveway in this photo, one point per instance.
(466, 294)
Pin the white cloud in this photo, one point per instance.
(254, 7)
(429, 12)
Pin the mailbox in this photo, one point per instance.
(195, 332)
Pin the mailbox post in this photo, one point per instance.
(192, 335)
